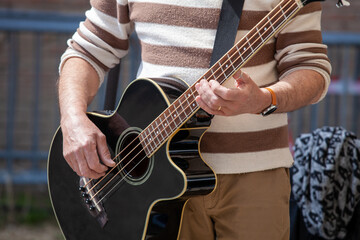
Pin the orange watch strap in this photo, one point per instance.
(273, 96)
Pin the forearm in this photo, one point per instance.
(78, 84)
(298, 89)
(84, 145)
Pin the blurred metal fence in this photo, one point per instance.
(30, 47)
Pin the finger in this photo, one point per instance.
(70, 155)
(104, 152)
(203, 105)
(83, 166)
(226, 96)
(241, 79)
(79, 160)
(85, 171)
(207, 95)
(92, 158)
(223, 93)
(218, 111)
(238, 74)
(71, 160)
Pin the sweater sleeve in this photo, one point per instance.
(103, 38)
(299, 45)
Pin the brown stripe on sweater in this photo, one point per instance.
(123, 13)
(263, 56)
(106, 36)
(250, 18)
(109, 7)
(245, 142)
(82, 50)
(174, 15)
(176, 56)
(298, 61)
(314, 50)
(287, 39)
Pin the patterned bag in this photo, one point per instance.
(326, 180)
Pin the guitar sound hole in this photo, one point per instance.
(134, 165)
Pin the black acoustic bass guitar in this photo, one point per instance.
(153, 136)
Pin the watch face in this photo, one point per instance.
(269, 110)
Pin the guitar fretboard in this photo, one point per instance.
(172, 118)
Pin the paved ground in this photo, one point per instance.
(44, 231)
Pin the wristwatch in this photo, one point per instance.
(272, 108)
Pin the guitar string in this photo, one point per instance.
(213, 74)
(257, 32)
(140, 160)
(145, 154)
(223, 73)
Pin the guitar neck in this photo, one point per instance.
(169, 121)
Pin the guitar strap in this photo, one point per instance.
(227, 28)
(225, 38)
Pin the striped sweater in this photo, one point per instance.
(177, 37)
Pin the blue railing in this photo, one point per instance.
(25, 163)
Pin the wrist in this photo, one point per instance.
(69, 118)
(264, 101)
(273, 105)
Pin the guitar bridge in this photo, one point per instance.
(92, 201)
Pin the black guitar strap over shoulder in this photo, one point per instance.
(225, 37)
(227, 28)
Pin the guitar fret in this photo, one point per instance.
(166, 124)
(271, 24)
(193, 101)
(176, 113)
(252, 50)
(221, 68)
(188, 95)
(231, 62)
(163, 130)
(158, 131)
(163, 127)
(237, 56)
(172, 123)
(151, 140)
(177, 119)
(143, 142)
(212, 72)
(282, 11)
(148, 142)
(183, 110)
(154, 137)
(258, 31)
(237, 47)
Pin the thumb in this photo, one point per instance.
(241, 79)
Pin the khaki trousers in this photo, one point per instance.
(250, 206)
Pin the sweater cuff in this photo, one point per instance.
(70, 53)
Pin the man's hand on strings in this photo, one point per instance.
(244, 97)
(85, 148)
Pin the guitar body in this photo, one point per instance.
(143, 199)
